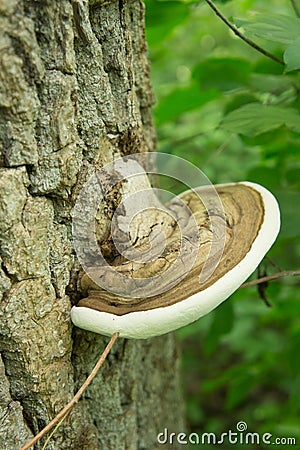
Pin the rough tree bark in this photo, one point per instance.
(74, 94)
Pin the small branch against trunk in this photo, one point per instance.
(241, 35)
(62, 414)
(274, 276)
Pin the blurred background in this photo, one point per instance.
(234, 113)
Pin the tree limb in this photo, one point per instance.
(241, 35)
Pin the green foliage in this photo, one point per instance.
(162, 17)
(277, 28)
(236, 114)
(255, 118)
(182, 100)
(274, 27)
(292, 56)
(235, 73)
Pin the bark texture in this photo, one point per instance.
(74, 94)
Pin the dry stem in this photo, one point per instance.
(275, 276)
(77, 396)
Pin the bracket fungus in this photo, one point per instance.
(196, 253)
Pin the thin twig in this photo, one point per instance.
(77, 396)
(296, 7)
(275, 276)
(274, 264)
(55, 430)
(242, 36)
(219, 150)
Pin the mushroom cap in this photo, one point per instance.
(252, 225)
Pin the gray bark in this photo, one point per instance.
(74, 94)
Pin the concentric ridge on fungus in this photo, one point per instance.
(246, 227)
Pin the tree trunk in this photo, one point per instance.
(75, 94)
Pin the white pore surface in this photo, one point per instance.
(154, 322)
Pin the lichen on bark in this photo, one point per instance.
(75, 94)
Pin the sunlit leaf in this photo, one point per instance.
(182, 100)
(162, 18)
(235, 73)
(255, 118)
(274, 27)
(292, 56)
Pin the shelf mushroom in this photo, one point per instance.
(245, 227)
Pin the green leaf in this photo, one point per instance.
(267, 176)
(162, 18)
(224, 73)
(274, 27)
(222, 324)
(239, 390)
(270, 83)
(292, 56)
(182, 100)
(254, 119)
(293, 177)
(289, 202)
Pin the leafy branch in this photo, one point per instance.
(241, 35)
